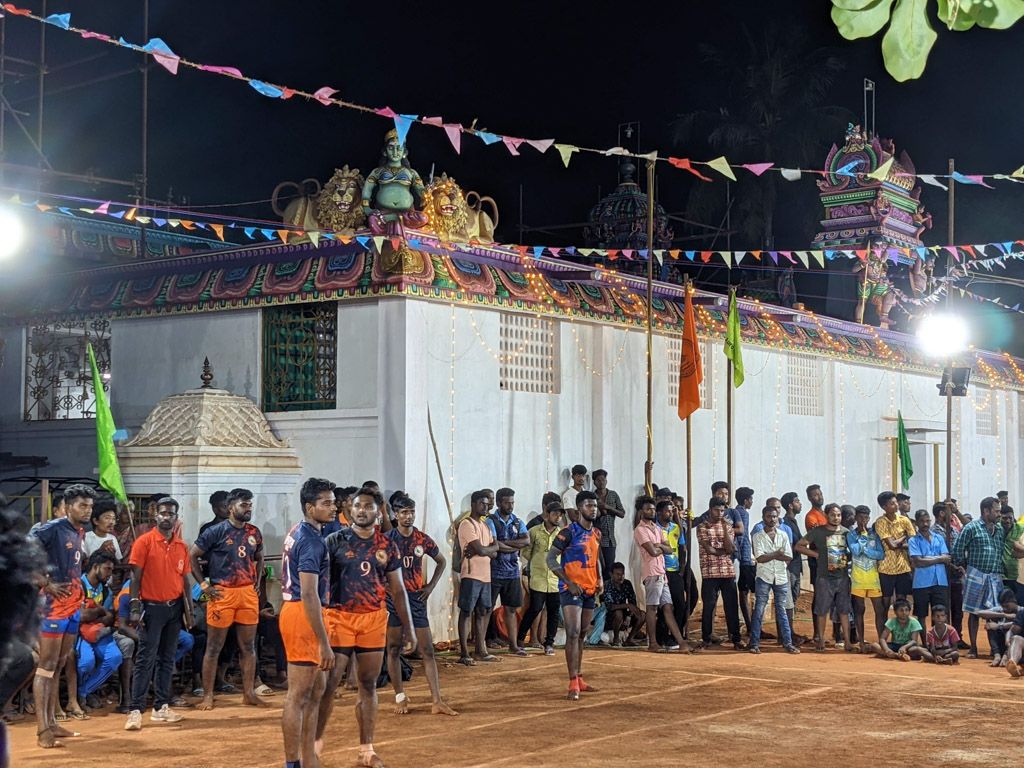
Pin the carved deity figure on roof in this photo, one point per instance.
(393, 190)
(875, 285)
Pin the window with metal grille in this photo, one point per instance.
(300, 350)
(528, 354)
(58, 382)
(986, 420)
(675, 349)
(804, 389)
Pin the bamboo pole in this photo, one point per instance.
(649, 464)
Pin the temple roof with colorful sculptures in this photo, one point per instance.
(442, 250)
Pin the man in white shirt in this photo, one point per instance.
(104, 517)
(579, 477)
(772, 555)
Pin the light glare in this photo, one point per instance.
(12, 233)
(942, 335)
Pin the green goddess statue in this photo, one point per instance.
(393, 190)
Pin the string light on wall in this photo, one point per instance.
(842, 435)
(502, 358)
(451, 448)
(778, 420)
(866, 395)
(583, 356)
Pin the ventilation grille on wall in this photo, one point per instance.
(804, 389)
(675, 346)
(529, 354)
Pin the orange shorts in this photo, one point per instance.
(236, 605)
(359, 631)
(300, 643)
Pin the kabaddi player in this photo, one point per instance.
(413, 544)
(304, 582)
(233, 549)
(574, 558)
(63, 540)
(365, 565)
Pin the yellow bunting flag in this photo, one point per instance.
(566, 150)
(218, 230)
(283, 234)
(1018, 174)
(314, 238)
(881, 172)
(721, 165)
(378, 243)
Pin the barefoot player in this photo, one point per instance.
(233, 549)
(365, 565)
(412, 545)
(574, 557)
(63, 540)
(304, 580)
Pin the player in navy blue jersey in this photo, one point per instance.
(233, 551)
(64, 543)
(413, 547)
(304, 585)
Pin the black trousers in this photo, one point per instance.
(927, 598)
(158, 641)
(956, 606)
(539, 601)
(607, 561)
(710, 589)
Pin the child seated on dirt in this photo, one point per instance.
(942, 639)
(998, 623)
(901, 636)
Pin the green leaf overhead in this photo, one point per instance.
(908, 41)
(865, 22)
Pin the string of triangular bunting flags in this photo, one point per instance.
(327, 96)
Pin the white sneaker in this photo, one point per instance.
(165, 715)
(134, 722)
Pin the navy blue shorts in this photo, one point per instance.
(60, 627)
(417, 608)
(474, 595)
(586, 602)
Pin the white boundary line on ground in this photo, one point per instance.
(658, 725)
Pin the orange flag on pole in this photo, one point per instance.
(691, 369)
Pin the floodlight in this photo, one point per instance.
(942, 334)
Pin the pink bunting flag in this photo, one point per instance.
(757, 168)
(438, 121)
(454, 131)
(541, 145)
(554, 251)
(512, 144)
(323, 95)
(386, 112)
(229, 71)
(87, 35)
(103, 208)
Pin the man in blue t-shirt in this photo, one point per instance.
(511, 535)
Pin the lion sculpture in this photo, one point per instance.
(334, 207)
(457, 216)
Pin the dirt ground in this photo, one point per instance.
(715, 708)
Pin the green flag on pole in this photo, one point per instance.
(733, 350)
(110, 471)
(903, 450)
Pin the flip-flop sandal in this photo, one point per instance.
(467, 661)
(226, 688)
(79, 716)
(61, 717)
(520, 652)
(489, 658)
(264, 690)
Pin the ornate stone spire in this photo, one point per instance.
(207, 375)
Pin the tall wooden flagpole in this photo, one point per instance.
(648, 466)
(728, 412)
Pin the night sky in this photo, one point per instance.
(569, 71)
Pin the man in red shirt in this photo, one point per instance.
(233, 549)
(365, 567)
(160, 570)
(63, 540)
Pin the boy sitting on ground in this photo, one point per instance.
(901, 636)
(942, 639)
(998, 624)
(620, 601)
